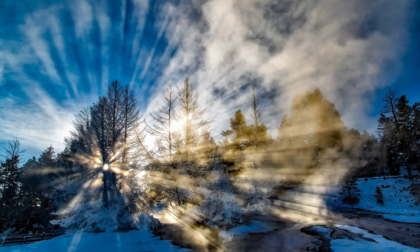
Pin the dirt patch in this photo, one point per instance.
(323, 242)
(277, 240)
(193, 238)
(290, 236)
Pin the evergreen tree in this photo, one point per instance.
(49, 171)
(237, 135)
(351, 195)
(413, 137)
(398, 131)
(39, 180)
(31, 196)
(362, 153)
(311, 129)
(388, 126)
(379, 196)
(207, 147)
(9, 179)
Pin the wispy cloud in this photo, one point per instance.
(62, 56)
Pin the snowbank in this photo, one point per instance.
(132, 241)
(399, 204)
(380, 244)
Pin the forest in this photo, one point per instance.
(117, 168)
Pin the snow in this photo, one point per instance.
(399, 204)
(409, 218)
(380, 244)
(219, 208)
(133, 241)
(253, 227)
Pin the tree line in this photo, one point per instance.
(107, 176)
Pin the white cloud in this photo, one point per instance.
(287, 47)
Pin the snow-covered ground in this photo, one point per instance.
(399, 204)
(133, 241)
(379, 243)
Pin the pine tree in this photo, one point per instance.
(39, 180)
(237, 135)
(207, 147)
(308, 133)
(9, 179)
(397, 131)
(379, 196)
(413, 137)
(31, 196)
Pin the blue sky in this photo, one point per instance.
(57, 57)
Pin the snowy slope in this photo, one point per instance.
(133, 241)
(399, 204)
(380, 244)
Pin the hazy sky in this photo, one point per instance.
(58, 57)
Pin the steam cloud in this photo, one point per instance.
(286, 48)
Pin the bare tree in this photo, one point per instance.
(254, 106)
(115, 112)
(191, 116)
(131, 118)
(258, 132)
(163, 120)
(13, 151)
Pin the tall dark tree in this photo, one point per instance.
(31, 195)
(398, 131)
(388, 126)
(39, 180)
(9, 179)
